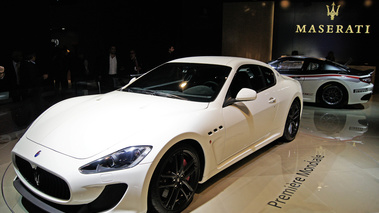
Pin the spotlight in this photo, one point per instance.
(285, 4)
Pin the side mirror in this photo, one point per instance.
(246, 94)
(132, 80)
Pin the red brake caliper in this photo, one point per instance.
(184, 165)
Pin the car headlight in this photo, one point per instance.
(122, 159)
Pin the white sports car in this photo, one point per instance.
(327, 82)
(147, 145)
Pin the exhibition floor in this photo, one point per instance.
(331, 166)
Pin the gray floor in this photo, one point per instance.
(331, 166)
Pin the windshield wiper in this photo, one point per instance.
(127, 89)
(153, 92)
(169, 95)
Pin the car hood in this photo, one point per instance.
(85, 126)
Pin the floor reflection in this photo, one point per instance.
(343, 125)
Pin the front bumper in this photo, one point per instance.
(86, 191)
(108, 199)
(361, 94)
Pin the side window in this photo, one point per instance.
(290, 65)
(274, 64)
(240, 80)
(268, 76)
(332, 67)
(254, 77)
(313, 66)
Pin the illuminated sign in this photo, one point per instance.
(329, 28)
(333, 11)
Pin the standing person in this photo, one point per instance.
(79, 68)
(31, 81)
(4, 82)
(61, 69)
(30, 77)
(171, 53)
(113, 71)
(2, 73)
(134, 66)
(13, 75)
(79, 72)
(15, 69)
(110, 69)
(330, 56)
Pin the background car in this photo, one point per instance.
(149, 144)
(327, 82)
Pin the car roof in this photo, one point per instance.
(310, 59)
(219, 60)
(300, 57)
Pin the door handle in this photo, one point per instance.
(272, 100)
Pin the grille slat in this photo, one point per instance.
(42, 180)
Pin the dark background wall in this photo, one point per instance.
(194, 27)
(91, 26)
(24, 26)
(248, 29)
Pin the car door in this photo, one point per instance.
(249, 122)
(313, 78)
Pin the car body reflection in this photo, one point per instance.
(332, 124)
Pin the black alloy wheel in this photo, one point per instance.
(333, 96)
(293, 122)
(175, 180)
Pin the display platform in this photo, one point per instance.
(331, 166)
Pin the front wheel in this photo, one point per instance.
(175, 180)
(293, 122)
(334, 96)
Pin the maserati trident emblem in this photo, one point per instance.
(332, 13)
(36, 176)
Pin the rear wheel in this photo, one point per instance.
(175, 180)
(293, 122)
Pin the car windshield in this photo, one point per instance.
(188, 81)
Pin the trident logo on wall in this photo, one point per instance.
(332, 13)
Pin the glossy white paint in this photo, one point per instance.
(80, 130)
(311, 85)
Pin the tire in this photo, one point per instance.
(175, 180)
(292, 122)
(333, 95)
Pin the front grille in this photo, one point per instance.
(43, 180)
(108, 199)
